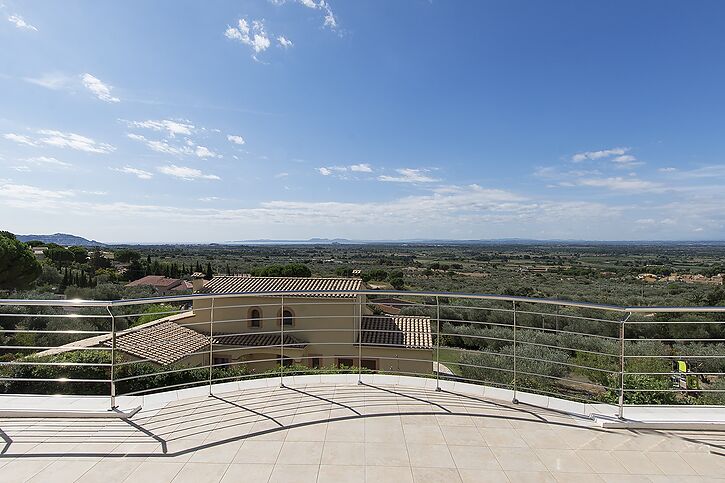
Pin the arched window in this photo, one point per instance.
(287, 317)
(255, 318)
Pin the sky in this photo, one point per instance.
(181, 121)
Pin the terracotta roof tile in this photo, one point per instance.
(164, 343)
(295, 287)
(408, 331)
(256, 340)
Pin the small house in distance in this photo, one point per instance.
(163, 285)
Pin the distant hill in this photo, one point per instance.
(62, 239)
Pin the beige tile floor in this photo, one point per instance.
(346, 433)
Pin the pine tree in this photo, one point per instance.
(209, 272)
(229, 271)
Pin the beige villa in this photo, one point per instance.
(253, 327)
(321, 329)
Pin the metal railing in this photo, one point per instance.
(573, 350)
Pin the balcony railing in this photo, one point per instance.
(577, 351)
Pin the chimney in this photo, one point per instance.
(197, 281)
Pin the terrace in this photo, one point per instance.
(514, 388)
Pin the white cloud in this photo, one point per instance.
(62, 140)
(667, 170)
(361, 168)
(19, 138)
(281, 175)
(593, 155)
(73, 141)
(20, 23)
(284, 42)
(236, 139)
(139, 173)
(98, 88)
(48, 161)
(408, 175)
(330, 20)
(171, 126)
(255, 36)
(28, 193)
(341, 170)
(54, 81)
(206, 199)
(185, 173)
(163, 146)
(626, 161)
(204, 152)
(159, 146)
(619, 184)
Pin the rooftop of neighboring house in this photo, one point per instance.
(408, 331)
(158, 281)
(293, 286)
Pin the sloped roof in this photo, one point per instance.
(295, 286)
(155, 281)
(412, 332)
(257, 340)
(164, 343)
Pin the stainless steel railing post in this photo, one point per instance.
(620, 413)
(438, 344)
(211, 344)
(514, 400)
(113, 358)
(359, 339)
(281, 344)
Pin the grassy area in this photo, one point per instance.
(449, 358)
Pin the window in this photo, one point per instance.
(286, 361)
(315, 362)
(288, 317)
(371, 364)
(218, 361)
(255, 318)
(345, 362)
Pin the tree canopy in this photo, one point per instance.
(18, 266)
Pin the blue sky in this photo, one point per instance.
(214, 121)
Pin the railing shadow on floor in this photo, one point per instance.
(526, 415)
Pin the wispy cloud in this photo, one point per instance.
(619, 183)
(186, 173)
(284, 42)
(98, 88)
(341, 170)
(139, 173)
(163, 146)
(55, 81)
(48, 161)
(21, 23)
(626, 161)
(236, 139)
(409, 175)
(172, 127)
(361, 168)
(62, 140)
(593, 155)
(329, 20)
(159, 146)
(19, 138)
